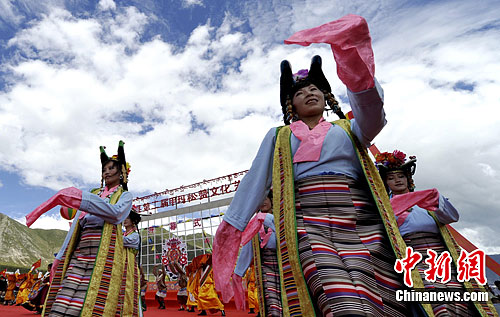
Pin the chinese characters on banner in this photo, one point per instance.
(469, 265)
(186, 198)
(196, 223)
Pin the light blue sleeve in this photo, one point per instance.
(269, 222)
(368, 110)
(132, 241)
(244, 259)
(254, 186)
(446, 213)
(114, 214)
(418, 220)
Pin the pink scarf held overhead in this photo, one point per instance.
(350, 41)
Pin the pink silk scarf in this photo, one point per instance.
(311, 141)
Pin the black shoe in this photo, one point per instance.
(252, 311)
(223, 313)
(180, 309)
(191, 310)
(29, 306)
(203, 313)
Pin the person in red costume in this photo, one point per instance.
(422, 217)
(89, 270)
(333, 235)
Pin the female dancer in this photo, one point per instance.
(132, 244)
(334, 238)
(262, 249)
(89, 271)
(421, 217)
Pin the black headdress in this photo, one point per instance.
(396, 162)
(134, 216)
(290, 83)
(122, 162)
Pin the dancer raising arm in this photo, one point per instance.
(334, 236)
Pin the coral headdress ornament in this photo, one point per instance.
(396, 162)
(290, 83)
(120, 158)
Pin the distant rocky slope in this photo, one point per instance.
(21, 246)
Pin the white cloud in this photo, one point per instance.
(107, 5)
(487, 169)
(8, 12)
(483, 237)
(73, 100)
(191, 3)
(48, 222)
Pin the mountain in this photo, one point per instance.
(21, 246)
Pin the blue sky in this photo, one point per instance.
(192, 87)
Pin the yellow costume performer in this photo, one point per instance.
(253, 299)
(9, 294)
(24, 289)
(207, 296)
(193, 285)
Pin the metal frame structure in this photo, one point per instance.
(190, 222)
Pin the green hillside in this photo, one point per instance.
(21, 246)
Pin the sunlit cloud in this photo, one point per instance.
(48, 222)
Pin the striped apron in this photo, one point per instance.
(70, 297)
(343, 249)
(422, 241)
(271, 283)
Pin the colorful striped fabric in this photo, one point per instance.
(94, 266)
(128, 300)
(422, 241)
(344, 251)
(270, 283)
(267, 279)
(70, 296)
(296, 297)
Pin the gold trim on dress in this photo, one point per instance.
(257, 261)
(451, 246)
(284, 192)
